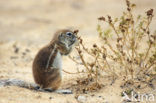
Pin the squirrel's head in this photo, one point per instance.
(67, 37)
(65, 40)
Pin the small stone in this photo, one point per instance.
(106, 102)
(27, 50)
(23, 53)
(39, 97)
(14, 57)
(93, 95)
(66, 91)
(100, 96)
(81, 99)
(50, 97)
(16, 50)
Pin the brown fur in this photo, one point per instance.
(48, 77)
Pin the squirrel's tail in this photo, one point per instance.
(23, 84)
(16, 82)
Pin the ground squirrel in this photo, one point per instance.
(47, 65)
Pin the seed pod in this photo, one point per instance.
(109, 19)
(151, 42)
(128, 3)
(79, 51)
(81, 41)
(118, 39)
(149, 12)
(122, 30)
(153, 36)
(133, 5)
(148, 32)
(92, 64)
(105, 38)
(76, 31)
(101, 18)
(129, 9)
(128, 19)
(104, 56)
(94, 45)
(118, 45)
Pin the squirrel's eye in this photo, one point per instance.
(68, 33)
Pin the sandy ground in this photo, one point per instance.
(29, 24)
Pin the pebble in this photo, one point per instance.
(81, 99)
(50, 97)
(65, 91)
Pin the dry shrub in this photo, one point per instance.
(128, 49)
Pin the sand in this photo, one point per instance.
(28, 25)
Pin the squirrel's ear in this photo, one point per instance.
(60, 36)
